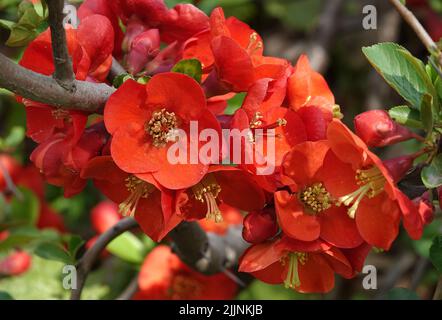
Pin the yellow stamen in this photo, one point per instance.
(292, 279)
(160, 127)
(207, 191)
(372, 183)
(315, 198)
(138, 189)
(254, 44)
(337, 112)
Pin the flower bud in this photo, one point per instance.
(104, 216)
(259, 226)
(144, 48)
(15, 264)
(425, 208)
(377, 129)
(398, 167)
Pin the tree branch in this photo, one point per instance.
(86, 262)
(207, 253)
(64, 74)
(116, 70)
(417, 27)
(88, 96)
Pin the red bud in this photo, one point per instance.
(425, 208)
(104, 216)
(15, 264)
(377, 129)
(259, 226)
(144, 48)
(398, 167)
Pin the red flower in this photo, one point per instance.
(377, 129)
(260, 225)
(307, 267)
(143, 121)
(308, 88)
(221, 184)
(61, 158)
(235, 51)
(104, 216)
(150, 204)
(366, 187)
(309, 211)
(163, 276)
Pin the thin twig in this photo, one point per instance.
(86, 262)
(88, 96)
(116, 69)
(10, 185)
(64, 74)
(130, 290)
(438, 292)
(417, 27)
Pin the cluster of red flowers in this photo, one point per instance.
(330, 198)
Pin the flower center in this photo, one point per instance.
(207, 191)
(372, 183)
(254, 44)
(138, 189)
(293, 258)
(184, 287)
(161, 127)
(315, 198)
(61, 114)
(257, 124)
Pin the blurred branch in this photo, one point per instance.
(319, 47)
(64, 74)
(88, 96)
(10, 185)
(417, 27)
(86, 262)
(207, 253)
(130, 290)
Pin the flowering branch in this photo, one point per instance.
(63, 74)
(88, 96)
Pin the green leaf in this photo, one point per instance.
(20, 36)
(190, 67)
(23, 236)
(14, 138)
(128, 248)
(27, 208)
(406, 116)
(403, 72)
(436, 253)
(53, 251)
(120, 79)
(6, 24)
(432, 174)
(427, 114)
(401, 294)
(5, 296)
(73, 243)
(234, 103)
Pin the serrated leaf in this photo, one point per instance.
(128, 248)
(436, 253)
(73, 243)
(26, 209)
(432, 174)
(53, 251)
(403, 72)
(190, 67)
(406, 116)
